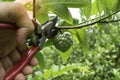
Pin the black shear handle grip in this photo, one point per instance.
(28, 55)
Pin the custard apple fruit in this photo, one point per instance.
(63, 41)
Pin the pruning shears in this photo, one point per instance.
(42, 33)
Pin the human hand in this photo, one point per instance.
(9, 61)
(12, 42)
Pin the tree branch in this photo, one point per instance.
(110, 21)
(89, 22)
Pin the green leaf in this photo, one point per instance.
(68, 3)
(42, 17)
(62, 12)
(107, 5)
(42, 14)
(111, 3)
(95, 8)
(82, 37)
(28, 6)
(98, 6)
(51, 73)
(64, 23)
(49, 42)
(118, 5)
(87, 9)
(40, 58)
(74, 34)
(68, 68)
(64, 55)
(116, 74)
(47, 74)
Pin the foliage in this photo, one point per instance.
(95, 52)
(59, 7)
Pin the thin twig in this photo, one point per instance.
(89, 22)
(34, 4)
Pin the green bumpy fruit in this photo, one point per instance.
(63, 41)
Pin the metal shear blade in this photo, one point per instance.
(46, 30)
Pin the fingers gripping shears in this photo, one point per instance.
(41, 33)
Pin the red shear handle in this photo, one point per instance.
(8, 26)
(28, 55)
